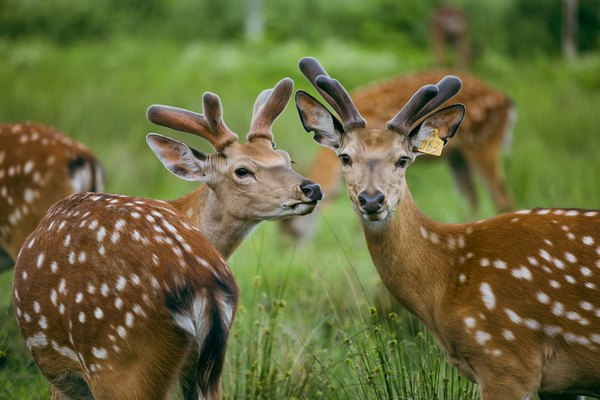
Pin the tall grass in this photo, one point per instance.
(305, 327)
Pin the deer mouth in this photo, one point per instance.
(379, 215)
(301, 207)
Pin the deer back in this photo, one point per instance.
(39, 166)
(109, 285)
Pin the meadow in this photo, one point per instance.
(312, 320)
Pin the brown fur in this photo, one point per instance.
(37, 169)
(140, 356)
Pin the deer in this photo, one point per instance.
(116, 296)
(38, 166)
(449, 28)
(512, 299)
(485, 132)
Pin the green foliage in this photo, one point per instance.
(494, 25)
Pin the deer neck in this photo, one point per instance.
(205, 211)
(412, 257)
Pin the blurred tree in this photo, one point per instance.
(254, 20)
(569, 31)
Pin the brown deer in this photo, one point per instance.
(449, 28)
(38, 167)
(485, 130)
(513, 299)
(117, 296)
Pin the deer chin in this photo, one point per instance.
(299, 208)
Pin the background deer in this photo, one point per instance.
(449, 29)
(513, 299)
(38, 167)
(485, 130)
(116, 296)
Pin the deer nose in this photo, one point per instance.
(311, 190)
(371, 203)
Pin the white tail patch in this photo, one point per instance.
(194, 320)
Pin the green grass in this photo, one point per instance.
(305, 326)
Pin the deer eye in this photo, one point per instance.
(402, 162)
(241, 172)
(345, 159)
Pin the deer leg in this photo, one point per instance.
(6, 261)
(463, 176)
(489, 165)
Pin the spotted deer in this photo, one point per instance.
(512, 299)
(117, 296)
(38, 167)
(485, 131)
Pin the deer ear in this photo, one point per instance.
(433, 133)
(316, 117)
(182, 160)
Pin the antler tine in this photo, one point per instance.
(213, 112)
(406, 116)
(448, 87)
(194, 123)
(425, 100)
(349, 114)
(268, 106)
(332, 92)
(311, 69)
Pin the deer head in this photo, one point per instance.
(252, 181)
(374, 161)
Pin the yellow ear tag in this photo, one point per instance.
(432, 145)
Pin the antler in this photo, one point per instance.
(424, 101)
(209, 126)
(268, 106)
(332, 92)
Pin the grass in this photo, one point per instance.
(306, 326)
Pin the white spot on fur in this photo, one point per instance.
(484, 262)
(469, 322)
(533, 261)
(570, 257)
(481, 337)
(558, 309)
(98, 313)
(129, 319)
(587, 240)
(499, 264)
(100, 353)
(508, 334)
(122, 331)
(37, 340)
(543, 298)
(40, 260)
(65, 351)
(522, 273)
(545, 255)
(121, 282)
(513, 316)
(488, 296)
